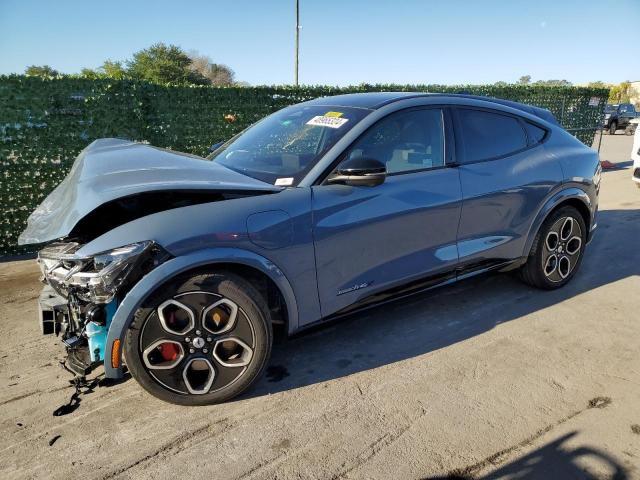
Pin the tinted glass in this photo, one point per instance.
(610, 108)
(404, 141)
(283, 147)
(536, 134)
(489, 135)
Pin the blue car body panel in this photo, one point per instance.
(110, 168)
(329, 248)
(500, 200)
(214, 256)
(279, 230)
(372, 239)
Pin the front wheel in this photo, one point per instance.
(557, 250)
(612, 128)
(200, 339)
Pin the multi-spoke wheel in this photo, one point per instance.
(200, 340)
(557, 250)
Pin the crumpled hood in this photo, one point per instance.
(110, 168)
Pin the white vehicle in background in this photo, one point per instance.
(635, 153)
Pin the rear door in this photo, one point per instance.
(505, 174)
(371, 239)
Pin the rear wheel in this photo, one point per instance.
(200, 340)
(557, 250)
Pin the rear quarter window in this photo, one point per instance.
(536, 134)
(486, 135)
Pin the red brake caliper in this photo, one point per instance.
(169, 351)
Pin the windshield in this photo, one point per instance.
(283, 147)
(610, 108)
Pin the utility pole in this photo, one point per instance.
(297, 41)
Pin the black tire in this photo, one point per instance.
(539, 271)
(251, 328)
(612, 128)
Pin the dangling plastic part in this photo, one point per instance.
(97, 333)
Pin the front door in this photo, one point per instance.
(372, 239)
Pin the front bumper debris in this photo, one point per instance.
(53, 312)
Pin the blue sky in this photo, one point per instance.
(343, 42)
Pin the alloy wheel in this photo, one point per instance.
(197, 343)
(562, 249)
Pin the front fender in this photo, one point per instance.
(555, 200)
(141, 291)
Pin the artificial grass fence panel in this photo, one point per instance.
(46, 122)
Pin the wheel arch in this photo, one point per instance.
(237, 260)
(574, 197)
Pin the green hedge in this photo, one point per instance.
(44, 123)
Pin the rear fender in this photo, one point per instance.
(144, 288)
(572, 193)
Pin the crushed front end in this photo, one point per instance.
(81, 295)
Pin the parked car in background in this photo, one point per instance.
(186, 264)
(617, 117)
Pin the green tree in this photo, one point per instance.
(109, 69)
(553, 83)
(524, 80)
(598, 84)
(41, 71)
(113, 69)
(162, 63)
(621, 93)
(90, 73)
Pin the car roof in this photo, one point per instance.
(375, 100)
(369, 100)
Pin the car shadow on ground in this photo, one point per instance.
(553, 460)
(620, 166)
(442, 317)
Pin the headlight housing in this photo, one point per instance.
(96, 278)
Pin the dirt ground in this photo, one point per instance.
(485, 379)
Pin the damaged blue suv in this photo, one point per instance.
(180, 267)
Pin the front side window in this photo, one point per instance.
(487, 135)
(404, 141)
(283, 147)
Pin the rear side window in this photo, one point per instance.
(488, 135)
(536, 134)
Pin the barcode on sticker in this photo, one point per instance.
(324, 121)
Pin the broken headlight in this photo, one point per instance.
(96, 278)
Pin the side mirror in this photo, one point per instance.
(215, 146)
(360, 172)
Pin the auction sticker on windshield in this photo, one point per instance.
(284, 182)
(325, 121)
